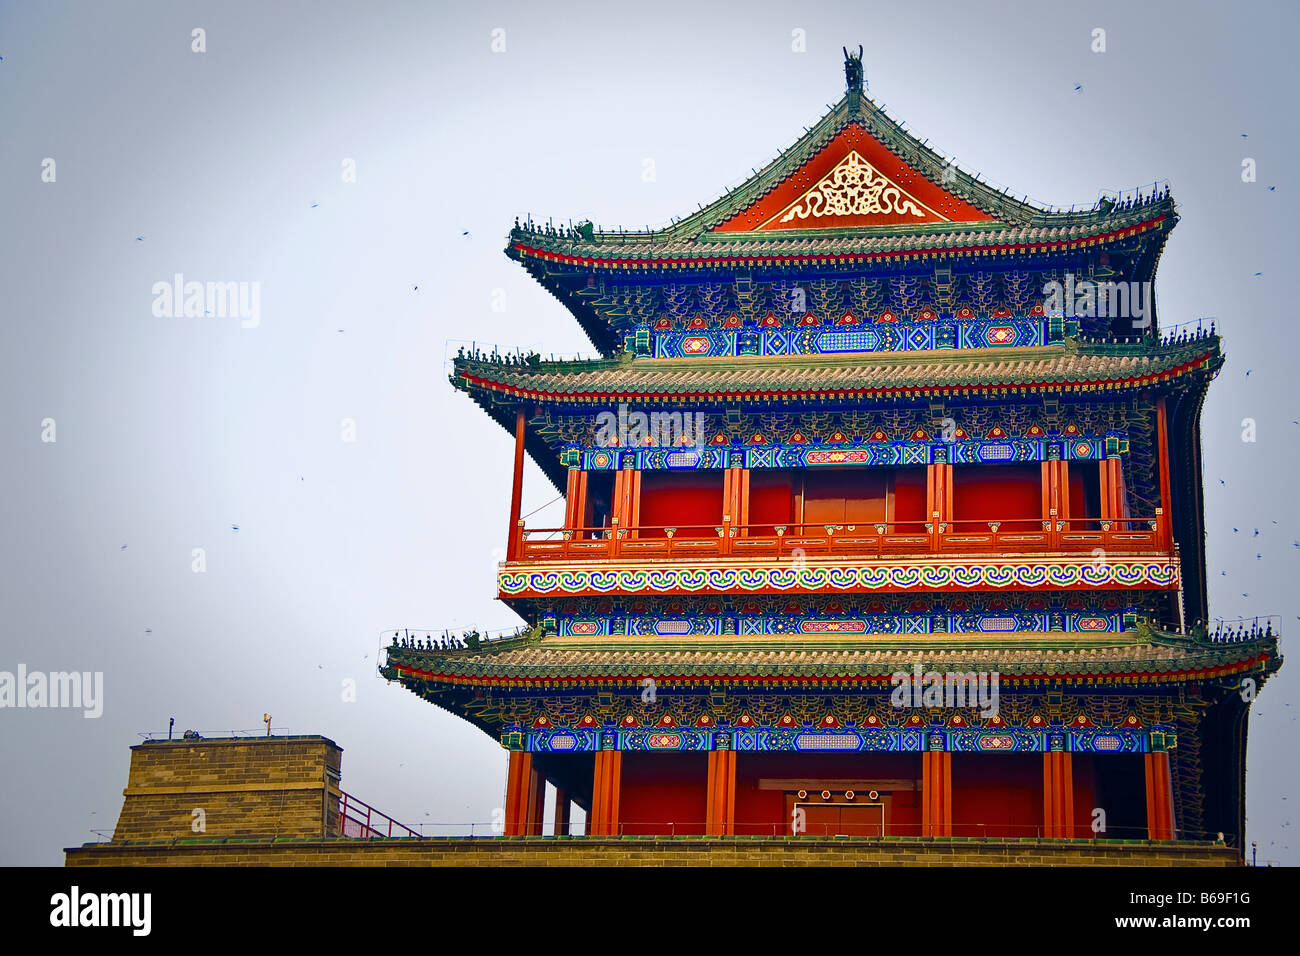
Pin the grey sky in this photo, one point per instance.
(228, 164)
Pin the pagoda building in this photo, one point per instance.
(883, 516)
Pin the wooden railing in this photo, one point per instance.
(725, 539)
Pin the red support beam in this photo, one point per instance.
(720, 807)
(938, 500)
(1063, 490)
(1048, 498)
(1107, 495)
(1058, 795)
(606, 785)
(536, 804)
(519, 777)
(936, 793)
(516, 489)
(1160, 802)
(626, 506)
(1117, 486)
(737, 504)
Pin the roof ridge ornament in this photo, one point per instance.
(853, 74)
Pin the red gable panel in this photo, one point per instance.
(853, 181)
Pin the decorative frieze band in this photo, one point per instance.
(841, 577)
(835, 740)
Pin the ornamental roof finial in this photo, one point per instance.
(853, 75)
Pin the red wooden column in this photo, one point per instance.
(946, 511)
(720, 805)
(938, 501)
(1053, 499)
(1160, 797)
(516, 489)
(736, 498)
(1165, 523)
(626, 506)
(1118, 504)
(575, 499)
(936, 793)
(625, 509)
(1063, 490)
(536, 803)
(562, 806)
(1107, 502)
(1111, 483)
(519, 784)
(1058, 795)
(634, 498)
(606, 784)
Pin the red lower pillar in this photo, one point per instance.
(936, 793)
(535, 807)
(1058, 795)
(603, 819)
(519, 783)
(1160, 803)
(720, 805)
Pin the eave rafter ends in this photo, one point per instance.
(703, 669)
(1051, 369)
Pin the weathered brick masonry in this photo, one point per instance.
(246, 787)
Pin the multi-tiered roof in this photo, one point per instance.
(862, 281)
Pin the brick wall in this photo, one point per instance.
(250, 787)
(655, 851)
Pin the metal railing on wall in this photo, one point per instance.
(362, 821)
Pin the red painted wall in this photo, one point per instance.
(983, 493)
(838, 496)
(663, 789)
(844, 496)
(758, 811)
(675, 499)
(909, 495)
(771, 499)
(997, 795)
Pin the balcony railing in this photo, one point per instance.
(1004, 535)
